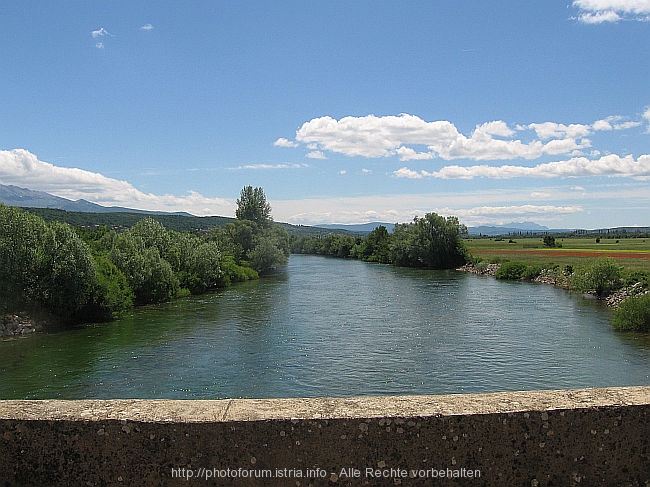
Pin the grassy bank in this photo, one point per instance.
(633, 254)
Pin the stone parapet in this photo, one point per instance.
(532, 438)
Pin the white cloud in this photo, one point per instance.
(101, 32)
(317, 154)
(411, 138)
(282, 142)
(615, 122)
(552, 130)
(146, 27)
(611, 165)
(599, 17)
(599, 11)
(22, 168)
(99, 45)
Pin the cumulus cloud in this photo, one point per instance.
(146, 27)
(600, 11)
(22, 168)
(411, 138)
(611, 165)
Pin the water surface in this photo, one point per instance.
(329, 327)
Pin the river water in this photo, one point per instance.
(329, 327)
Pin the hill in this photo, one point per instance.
(15, 196)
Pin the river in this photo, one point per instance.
(328, 327)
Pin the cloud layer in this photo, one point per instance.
(610, 165)
(411, 138)
(22, 168)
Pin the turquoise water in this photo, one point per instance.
(329, 327)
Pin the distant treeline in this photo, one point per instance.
(622, 232)
(94, 274)
(121, 220)
(431, 242)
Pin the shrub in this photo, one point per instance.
(531, 272)
(633, 314)
(511, 271)
(638, 276)
(602, 276)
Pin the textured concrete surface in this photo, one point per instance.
(533, 438)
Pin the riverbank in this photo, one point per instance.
(21, 324)
(562, 280)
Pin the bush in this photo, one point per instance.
(633, 314)
(511, 271)
(602, 276)
(638, 276)
(531, 272)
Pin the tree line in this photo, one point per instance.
(431, 242)
(95, 274)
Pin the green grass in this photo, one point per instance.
(531, 251)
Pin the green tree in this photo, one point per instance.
(266, 255)
(203, 267)
(549, 241)
(150, 276)
(252, 205)
(431, 242)
(24, 239)
(70, 272)
(111, 294)
(376, 246)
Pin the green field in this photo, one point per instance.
(632, 253)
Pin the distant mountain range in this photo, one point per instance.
(14, 196)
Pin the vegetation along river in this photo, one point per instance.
(330, 327)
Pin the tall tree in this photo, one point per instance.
(252, 205)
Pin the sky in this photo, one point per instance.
(342, 111)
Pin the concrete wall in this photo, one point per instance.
(581, 437)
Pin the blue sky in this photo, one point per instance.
(343, 111)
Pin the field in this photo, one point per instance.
(632, 253)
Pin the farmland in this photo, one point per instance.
(632, 253)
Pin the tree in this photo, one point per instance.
(70, 274)
(376, 246)
(549, 241)
(432, 242)
(149, 275)
(24, 239)
(111, 294)
(252, 205)
(266, 255)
